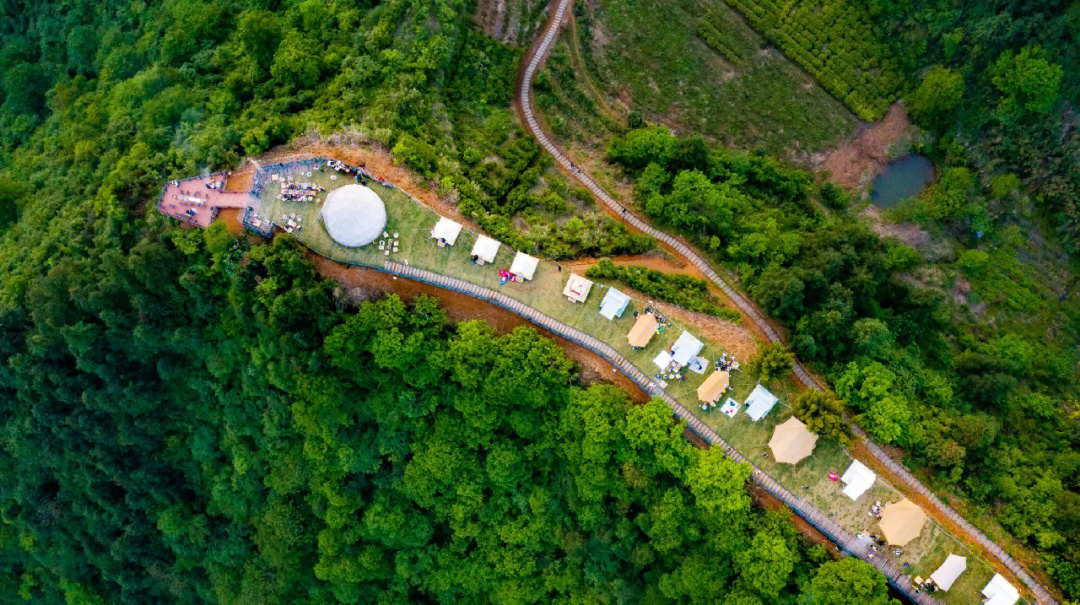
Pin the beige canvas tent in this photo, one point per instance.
(643, 330)
(901, 522)
(713, 387)
(792, 441)
(577, 288)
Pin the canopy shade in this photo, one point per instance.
(577, 288)
(999, 592)
(614, 304)
(857, 478)
(524, 266)
(446, 230)
(713, 387)
(485, 249)
(354, 215)
(759, 403)
(951, 569)
(685, 348)
(901, 522)
(662, 360)
(643, 330)
(792, 441)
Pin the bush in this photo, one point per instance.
(683, 290)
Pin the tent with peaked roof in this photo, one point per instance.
(951, 569)
(446, 231)
(901, 522)
(713, 387)
(999, 592)
(577, 288)
(759, 403)
(792, 441)
(685, 348)
(614, 304)
(524, 266)
(485, 249)
(643, 330)
(857, 479)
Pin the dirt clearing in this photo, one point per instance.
(856, 160)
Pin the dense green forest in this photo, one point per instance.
(133, 94)
(985, 403)
(190, 419)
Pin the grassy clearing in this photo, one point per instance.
(413, 223)
(705, 71)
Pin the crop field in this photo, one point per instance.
(705, 71)
(834, 42)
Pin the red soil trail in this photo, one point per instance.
(365, 283)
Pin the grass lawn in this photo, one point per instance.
(413, 222)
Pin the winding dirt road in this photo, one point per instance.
(533, 60)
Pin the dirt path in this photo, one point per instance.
(365, 284)
(871, 141)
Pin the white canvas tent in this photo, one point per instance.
(759, 403)
(792, 441)
(577, 288)
(485, 249)
(614, 304)
(524, 266)
(663, 360)
(951, 569)
(999, 592)
(685, 348)
(446, 231)
(354, 215)
(857, 479)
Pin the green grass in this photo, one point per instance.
(413, 223)
(672, 75)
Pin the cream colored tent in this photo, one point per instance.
(792, 441)
(524, 266)
(446, 231)
(643, 330)
(713, 387)
(577, 288)
(901, 522)
(485, 249)
(951, 569)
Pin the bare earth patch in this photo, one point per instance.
(856, 160)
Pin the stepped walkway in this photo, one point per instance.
(805, 509)
(533, 62)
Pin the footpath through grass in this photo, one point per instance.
(413, 223)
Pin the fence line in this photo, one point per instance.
(808, 380)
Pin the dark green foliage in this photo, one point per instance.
(844, 582)
(771, 362)
(683, 290)
(823, 414)
(272, 444)
(979, 402)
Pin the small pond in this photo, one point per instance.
(901, 180)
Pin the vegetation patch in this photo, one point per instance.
(683, 290)
(835, 41)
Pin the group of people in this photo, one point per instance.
(727, 362)
(293, 222)
(299, 192)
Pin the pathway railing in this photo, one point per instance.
(805, 509)
(740, 301)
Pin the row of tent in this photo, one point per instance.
(998, 591)
(446, 231)
(791, 441)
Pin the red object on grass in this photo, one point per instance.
(833, 476)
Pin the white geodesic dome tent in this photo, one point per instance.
(354, 215)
